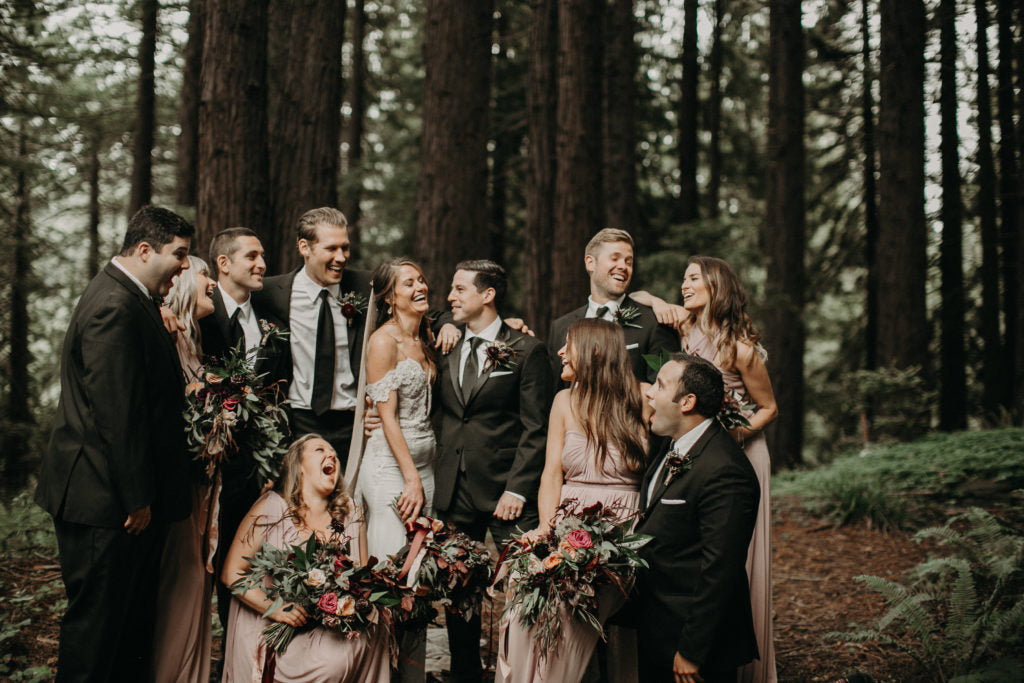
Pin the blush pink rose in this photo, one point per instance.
(579, 538)
(328, 603)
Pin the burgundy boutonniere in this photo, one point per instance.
(676, 464)
(501, 355)
(625, 315)
(353, 304)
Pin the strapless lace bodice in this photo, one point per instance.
(412, 388)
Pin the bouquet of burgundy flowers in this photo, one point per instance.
(559, 575)
(231, 408)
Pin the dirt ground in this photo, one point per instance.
(814, 566)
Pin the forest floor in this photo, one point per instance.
(814, 594)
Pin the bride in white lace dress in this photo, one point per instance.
(398, 460)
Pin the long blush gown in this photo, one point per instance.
(759, 555)
(314, 656)
(518, 660)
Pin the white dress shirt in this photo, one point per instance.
(682, 445)
(137, 281)
(302, 319)
(488, 334)
(246, 317)
(613, 306)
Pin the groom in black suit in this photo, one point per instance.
(116, 469)
(494, 392)
(699, 503)
(609, 262)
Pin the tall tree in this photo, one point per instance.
(687, 113)
(451, 202)
(507, 130)
(619, 117)
(94, 206)
(870, 195)
(187, 160)
(145, 111)
(579, 209)
(714, 190)
(992, 369)
(305, 118)
(233, 165)
(1013, 365)
(902, 267)
(541, 121)
(352, 184)
(785, 237)
(953, 376)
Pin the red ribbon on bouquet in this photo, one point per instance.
(414, 547)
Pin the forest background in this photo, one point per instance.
(857, 161)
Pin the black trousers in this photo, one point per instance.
(111, 582)
(464, 636)
(335, 426)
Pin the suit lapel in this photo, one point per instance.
(220, 316)
(695, 450)
(503, 334)
(454, 363)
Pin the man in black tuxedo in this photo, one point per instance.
(321, 365)
(493, 428)
(116, 470)
(699, 503)
(609, 262)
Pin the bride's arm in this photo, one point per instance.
(383, 357)
(248, 540)
(550, 494)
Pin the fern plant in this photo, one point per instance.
(960, 608)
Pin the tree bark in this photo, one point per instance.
(688, 107)
(541, 122)
(452, 196)
(953, 378)
(902, 318)
(187, 163)
(94, 206)
(352, 184)
(714, 189)
(233, 165)
(579, 209)
(305, 117)
(870, 200)
(785, 235)
(145, 111)
(620, 120)
(992, 368)
(506, 136)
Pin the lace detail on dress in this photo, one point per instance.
(411, 383)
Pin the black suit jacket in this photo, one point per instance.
(215, 334)
(649, 338)
(273, 303)
(118, 442)
(695, 597)
(499, 435)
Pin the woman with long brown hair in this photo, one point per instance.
(596, 452)
(714, 324)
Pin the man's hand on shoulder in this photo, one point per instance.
(137, 521)
(685, 671)
(509, 507)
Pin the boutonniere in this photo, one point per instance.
(270, 333)
(675, 464)
(501, 355)
(625, 315)
(352, 304)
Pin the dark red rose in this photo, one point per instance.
(349, 311)
(328, 603)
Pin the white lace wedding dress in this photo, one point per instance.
(380, 479)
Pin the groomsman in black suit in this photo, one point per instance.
(116, 470)
(494, 392)
(699, 503)
(322, 361)
(609, 262)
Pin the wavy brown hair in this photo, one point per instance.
(726, 312)
(605, 398)
(338, 502)
(384, 279)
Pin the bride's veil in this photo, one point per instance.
(358, 443)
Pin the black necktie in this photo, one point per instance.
(471, 368)
(237, 333)
(323, 361)
(601, 312)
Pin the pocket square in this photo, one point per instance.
(501, 373)
(632, 346)
(672, 501)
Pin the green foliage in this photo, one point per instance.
(960, 608)
(847, 502)
(25, 527)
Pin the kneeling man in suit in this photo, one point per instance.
(700, 503)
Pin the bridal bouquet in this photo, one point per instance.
(442, 565)
(560, 574)
(319, 576)
(232, 409)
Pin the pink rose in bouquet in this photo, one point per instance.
(579, 538)
(328, 603)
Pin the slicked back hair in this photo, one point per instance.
(225, 243)
(325, 215)
(702, 379)
(156, 227)
(487, 275)
(607, 236)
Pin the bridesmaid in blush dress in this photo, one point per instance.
(596, 452)
(714, 325)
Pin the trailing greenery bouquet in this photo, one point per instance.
(559, 575)
(230, 408)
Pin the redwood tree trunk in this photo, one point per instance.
(187, 166)
(233, 168)
(902, 318)
(94, 207)
(452, 200)
(870, 199)
(784, 236)
(506, 134)
(541, 122)
(715, 114)
(305, 118)
(953, 378)
(619, 120)
(145, 112)
(688, 106)
(579, 209)
(352, 185)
